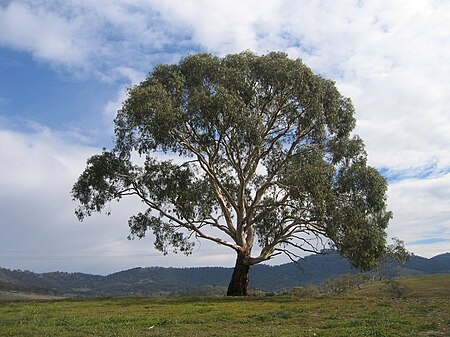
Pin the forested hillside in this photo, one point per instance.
(158, 281)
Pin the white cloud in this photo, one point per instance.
(223, 26)
(429, 250)
(35, 177)
(133, 77)
(47, 35)
(94, 37)
(421, 214)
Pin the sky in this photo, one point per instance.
(65, 67)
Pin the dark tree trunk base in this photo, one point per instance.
(239, 281)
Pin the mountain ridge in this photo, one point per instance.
(160, 281)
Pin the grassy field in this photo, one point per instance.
(418, 314)
(19, 296)
(437, 285)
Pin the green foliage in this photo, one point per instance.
(396, 252)
(267, 156)
(396, 255)
(396, 289)
(101, 181)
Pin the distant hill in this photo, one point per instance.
(158, 281)
(422, 286)
(437, 264)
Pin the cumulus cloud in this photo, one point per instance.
(94, 37)
(47, 35)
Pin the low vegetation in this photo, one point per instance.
(370, 311)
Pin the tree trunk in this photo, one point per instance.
(239, 281)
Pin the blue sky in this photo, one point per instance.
(64, 68)
(33, 91)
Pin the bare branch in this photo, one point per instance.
(291, 256)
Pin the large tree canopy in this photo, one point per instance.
(269, 165)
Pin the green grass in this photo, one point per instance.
(219, 316)
(18, 296)
(422, 286)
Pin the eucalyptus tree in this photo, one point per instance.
(268, 163)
